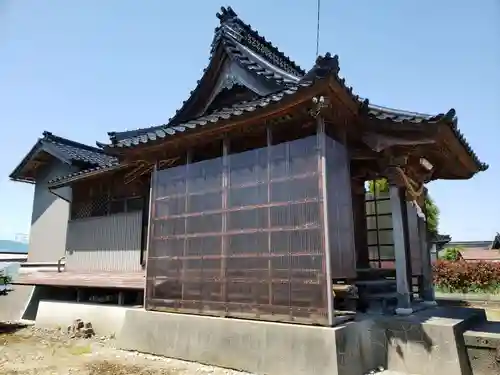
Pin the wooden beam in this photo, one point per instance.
(402, 284)
(322, 166)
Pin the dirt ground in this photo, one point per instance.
(31, 351)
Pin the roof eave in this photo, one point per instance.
(82, 175)
(14, 175)
(451, 121)
(23, 180)
(448, 119)
(259, 108)
(40, 146)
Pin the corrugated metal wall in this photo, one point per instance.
(107, 243)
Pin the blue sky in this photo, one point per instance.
(82, 68)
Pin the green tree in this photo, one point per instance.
(452, 254)
(382, 186)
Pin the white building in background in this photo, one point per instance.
(22, 237)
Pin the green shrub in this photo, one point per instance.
(4, 280)
(452, 254)
(467, 277)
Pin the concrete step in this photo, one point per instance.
(380, 282)
(376, 286)
(374, 273)
(380, 303)
(381, 296)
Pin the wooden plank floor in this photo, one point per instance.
(130, 280)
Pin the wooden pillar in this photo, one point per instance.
(401, 255)
(185, 250)
(225, 238)
(360, 223)
(427, 291)
(269, 145)
(321, 135)
(413, 240)
(150, 282)
(121, 298)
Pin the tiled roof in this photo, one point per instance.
(245, 47)
(440, 238)
(478, 255)
(325, 67)
(251, 38)
(397, 115)
(66, 150)
(142, 136)
(75, 151)
(72, 177)
(257, 55)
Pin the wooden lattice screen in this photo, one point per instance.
(241, 236)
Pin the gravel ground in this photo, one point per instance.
(26, 350)
(32, 351)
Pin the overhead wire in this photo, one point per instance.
(318, 27)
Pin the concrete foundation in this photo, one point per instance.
(424, 343)
(430, 341)
(253, 346)
(14, 304)
(106, 320)
(483, 348)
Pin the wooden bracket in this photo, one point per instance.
(144, 167)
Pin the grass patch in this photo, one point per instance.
(113, 368)
(473, 289)
(80, 349)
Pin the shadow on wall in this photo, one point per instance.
(22, 302)
(46, 293)
(43, 198)
(49, 219)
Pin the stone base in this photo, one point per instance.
(254, 346)
(430, 341)
(404, 311)
(483, 348)
(427, 342)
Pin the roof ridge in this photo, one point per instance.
(397, 111)
(49, 136)
(228, 16)
(231, 30)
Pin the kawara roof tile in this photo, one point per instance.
(68, 151)
(396, 115)
(75, 151)
(231, 22)
(61, 180)
(142, 136)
